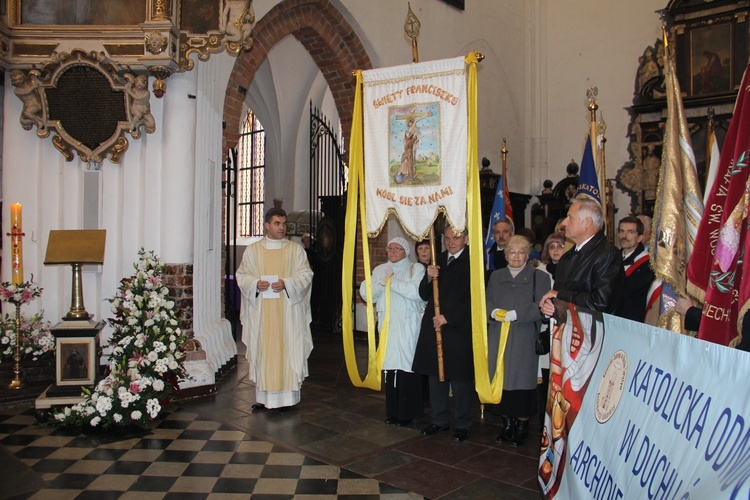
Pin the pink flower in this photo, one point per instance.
(135, 388)
(138, 360)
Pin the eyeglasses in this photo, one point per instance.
(516, 252)
(394, 249)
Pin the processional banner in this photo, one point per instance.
(434, 104)
(631, 413)
(415, 137)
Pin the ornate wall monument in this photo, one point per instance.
(711, 45)
(95, 92)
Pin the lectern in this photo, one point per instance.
(77, 335)
(76, 247)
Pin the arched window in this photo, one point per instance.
(251, 177)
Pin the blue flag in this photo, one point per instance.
(497, 213)
(588, 183)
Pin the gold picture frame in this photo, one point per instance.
(711, 59)
(711, 51)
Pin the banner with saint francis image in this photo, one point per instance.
(415, 136)
(416, 126)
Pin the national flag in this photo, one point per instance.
(588, 182)
(506, 197)
(653, 303)
(497, 213)
(716, 272)
(679, 205)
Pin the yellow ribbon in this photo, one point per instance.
(489, 392)
(500, 314)
(356, 186)
(384, 328)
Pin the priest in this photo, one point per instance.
(275, 279)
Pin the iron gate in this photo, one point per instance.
(327, 196)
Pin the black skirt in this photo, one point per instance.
(520, 403)
(403, 394)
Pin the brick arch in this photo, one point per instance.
(329, 39)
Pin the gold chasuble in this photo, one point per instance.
(276, 376)
(276, 330)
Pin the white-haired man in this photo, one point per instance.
(590, 274)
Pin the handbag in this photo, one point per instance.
(541, 344)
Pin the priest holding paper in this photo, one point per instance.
(275, 279)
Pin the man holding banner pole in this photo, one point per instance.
(454, 322)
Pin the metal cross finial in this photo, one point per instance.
(591, 94)
(411, 28)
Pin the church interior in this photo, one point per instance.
(171, 126)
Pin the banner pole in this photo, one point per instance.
(436, 295)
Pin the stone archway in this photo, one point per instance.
(328, 38)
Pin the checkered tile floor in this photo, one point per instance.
(185, 456)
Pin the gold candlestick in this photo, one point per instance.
(17, 383)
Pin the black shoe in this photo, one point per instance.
(509, 426)
(390, 420)
(520, 433)
(433, 429)
(403, 423)
(460, 435)
(258, 407)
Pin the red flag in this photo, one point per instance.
(506, 198)
(722, 290)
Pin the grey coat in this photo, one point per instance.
(509, 293)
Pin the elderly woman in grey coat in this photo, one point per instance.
(513, 295)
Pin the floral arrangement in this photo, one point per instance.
(146, 358)
(22, 293)
(36, 337)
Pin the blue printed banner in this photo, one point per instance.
(635, 411)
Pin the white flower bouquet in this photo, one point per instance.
(146, 358)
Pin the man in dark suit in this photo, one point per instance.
(455, 323)
(638, 273)
(502, 230)
(590, 274)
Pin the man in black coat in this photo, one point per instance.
(502, 230)
(591, 273)
(638, 273)
(455, 323)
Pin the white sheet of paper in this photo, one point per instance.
(270, 294)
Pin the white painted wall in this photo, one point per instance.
(597, 44)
